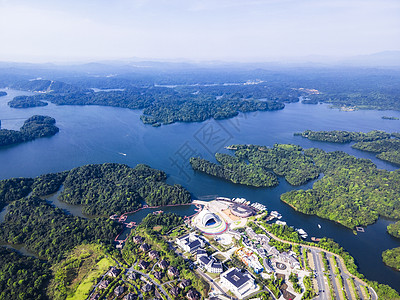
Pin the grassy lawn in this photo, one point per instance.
(87, 283)
(75, 276)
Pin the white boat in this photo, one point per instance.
(124, 154)
(319, 226)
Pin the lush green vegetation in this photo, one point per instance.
(391, 257)
(25, 102)
(353, 191)
(387, 149)
(14, 189)
(33, 128)
(309, 292)
(294, 279)
(235, 170)
(284, 160)
(160, 105)
(374, 141)
(43, 85)
(115, 188)
(17, 188)
(22, 277)
(394, 229)
(340, 136)
(47, 231)
(389, 118)
(166, 221)
(75, 276)
(284, 232)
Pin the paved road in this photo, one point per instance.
(319, 272)
(155, 283)
(339, 259)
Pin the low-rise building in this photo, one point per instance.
(147, 287)
(210, 264)
(153, 254)
(172, 271)
(158, 275)
(163, 264)
(174, 291)
(143, 264)
(237, 282)
(104, 284)
(145, 247)
(138, 239)
(119, 290)
(190, 242)
(129, 296)
(184, 283)
(193, 295)
(113, 272)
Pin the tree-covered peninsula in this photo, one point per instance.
(115, 188)
(26, 102)
(104, 189)
(342, 136)
(33, 128)
(259, 166)
(391, 257)
(386, 145)
(394, 229)
(353, 192)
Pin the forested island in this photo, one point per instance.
(353, 192)
(2, 93)
(160, 105)
(386, 145)
(33, 128)
(26, 102)
(265, 164)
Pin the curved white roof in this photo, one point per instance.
(205, 215)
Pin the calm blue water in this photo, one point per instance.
(92, 134)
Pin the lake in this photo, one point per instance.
(93, 134)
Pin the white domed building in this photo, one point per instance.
(209, 223)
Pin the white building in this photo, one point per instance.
(190, 242)
(237, 282)
(210, 264)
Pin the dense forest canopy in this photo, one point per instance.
(352, 192)
(391, 257)
(115, 188)
(259, 165)
(48, 231)
(386, 145)
(22, 277)
(33, 128)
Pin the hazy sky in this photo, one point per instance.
(240, 30)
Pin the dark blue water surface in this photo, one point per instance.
(93, 134)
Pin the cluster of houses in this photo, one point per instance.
(194, 244)
(268, 250)
(189, 242)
